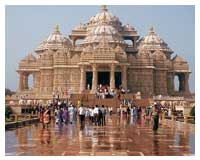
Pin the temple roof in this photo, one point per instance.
(55, 41)
(153, 42)
(29, 57)
(103, 32)
(178, 58)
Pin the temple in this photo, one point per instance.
(103, 51)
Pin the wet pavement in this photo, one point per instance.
(121, 136)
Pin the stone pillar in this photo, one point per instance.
(112, 76)
(124, 77)
(83, 79)
(94, 78)
(134, 43)
(34, 80)
(186, 87)
(20, 85)
(26, 81)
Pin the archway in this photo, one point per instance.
(179, 82)
(30, 81)
(176, 83)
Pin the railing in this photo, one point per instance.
(186, 119)
(21, 117)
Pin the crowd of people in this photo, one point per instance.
(67, 113)
(64, 113)
(104, 91)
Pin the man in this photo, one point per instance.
(81, 111)
(71, 113)
(96, 113)
(103, 110)
(155, 115)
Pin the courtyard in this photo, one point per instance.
(122, 136)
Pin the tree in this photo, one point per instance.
(8, 92)
(8, 111)
(192, 112)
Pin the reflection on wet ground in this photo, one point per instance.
(121, 136)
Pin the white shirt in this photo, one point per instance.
(96, 110)
(92, 112)
(81, 111)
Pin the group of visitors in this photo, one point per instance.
(67, 113)
(104, 91)
(64, 113)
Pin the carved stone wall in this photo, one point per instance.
(140, 80)
(46, 81)
(160, 82)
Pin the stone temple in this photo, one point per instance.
(103, 51)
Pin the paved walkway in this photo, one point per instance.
(120, 137)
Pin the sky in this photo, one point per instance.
(28, 26)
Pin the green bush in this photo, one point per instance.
(8, 112)
(192, 112)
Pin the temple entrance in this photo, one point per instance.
(118, 80)
(89, 80)
(179, 82)
(104, 78)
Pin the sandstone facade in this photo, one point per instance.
(103, 50)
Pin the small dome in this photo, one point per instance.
(128, 27)
(29, 58)
(55, 41)
(80, 27)
(153, 42)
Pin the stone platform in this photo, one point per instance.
(121, 136)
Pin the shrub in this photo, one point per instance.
(192, 112)
(8, 112)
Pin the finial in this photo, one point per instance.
(56, 28)
(104, 8)
(151, 29)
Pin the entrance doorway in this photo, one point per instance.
(89, 80)
(104, 78)
(118, 80)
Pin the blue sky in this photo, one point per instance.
(27, 26)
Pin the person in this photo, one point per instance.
(92, 114)
(128, 111)
(100, 116)
(46, 116)
(96, 112)
(110, 110)
(81, 111)
(71, 114)
(65, 115)
(59, 118)
(155, 115)
(118, 111)
(41, 114)
(103, 110)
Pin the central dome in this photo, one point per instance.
(103, 32)
(104, 16)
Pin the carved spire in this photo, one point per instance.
(151, 29)
(104, 8)
(56, 28)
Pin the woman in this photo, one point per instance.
(64, 115)
(155, 116)
(46, 116)
(41, 111)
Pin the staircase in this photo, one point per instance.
(92, 100)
